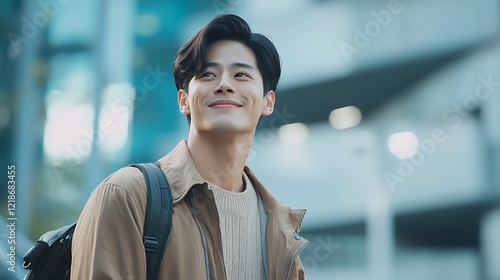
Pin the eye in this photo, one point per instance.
(242, 75)
(207, 75)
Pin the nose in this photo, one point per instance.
(224, 86)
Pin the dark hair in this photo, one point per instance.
(192, 58)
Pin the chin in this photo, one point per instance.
(229, 127)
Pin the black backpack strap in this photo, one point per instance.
(158, 216)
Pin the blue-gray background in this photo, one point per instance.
(386, 128)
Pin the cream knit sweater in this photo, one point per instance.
(240, 232)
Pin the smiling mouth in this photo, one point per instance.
(224, 104)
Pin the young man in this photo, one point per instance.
(225, 224)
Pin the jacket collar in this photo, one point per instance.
(180, 170)
(182, 175)
(272, 206)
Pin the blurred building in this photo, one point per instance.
(386, 126)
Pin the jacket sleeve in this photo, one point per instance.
(297, 270)
(107, 243)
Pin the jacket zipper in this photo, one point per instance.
(207, 264)
(294, 257)
(263, 234)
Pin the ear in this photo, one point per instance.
(269, 100)
(182, 100)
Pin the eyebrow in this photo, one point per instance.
(233, 65)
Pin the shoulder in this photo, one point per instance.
(121, 198)
(127, 182)
(127, 177)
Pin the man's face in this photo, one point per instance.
(228, 95)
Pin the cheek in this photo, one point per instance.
(195, 97)
(256, 92)
(195, 105)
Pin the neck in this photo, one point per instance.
(220, 159)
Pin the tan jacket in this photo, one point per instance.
(108, 244)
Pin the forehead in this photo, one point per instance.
(227, 52)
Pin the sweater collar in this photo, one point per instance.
(182, 175)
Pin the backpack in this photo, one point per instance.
(50, 257)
